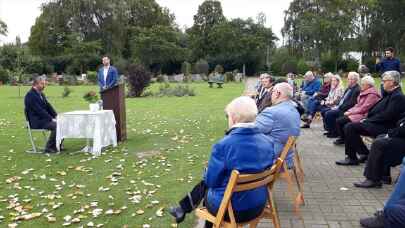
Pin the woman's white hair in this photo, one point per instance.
(328, 75)
(242, 109)
(354, 75)
(368, 80)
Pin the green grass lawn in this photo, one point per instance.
(179, 131)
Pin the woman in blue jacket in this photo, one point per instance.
(243, 148)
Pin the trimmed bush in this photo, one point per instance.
(201, 67)
(66, 92)
(92, 77)
(166, 90)
(138, 80)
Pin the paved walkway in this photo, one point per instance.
(331, 200)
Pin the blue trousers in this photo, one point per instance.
(394, 210)
(313, 106)
(330, 118)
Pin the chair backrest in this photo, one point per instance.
(244, 182)
(27, 120)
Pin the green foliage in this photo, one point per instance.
(291, 65)
(178, 91)
(66, 92)
(201, 67)
(302, 67)
(3, 28)
(158, 45)
(186, 68)
(138, 80)
(91, 97)
(209, 15)
(229, 77)
(219, 69)
(92, 77)
(4, 75)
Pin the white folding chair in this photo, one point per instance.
(30, 131)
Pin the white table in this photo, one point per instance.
(98, 126)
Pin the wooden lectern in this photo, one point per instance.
(114, 99)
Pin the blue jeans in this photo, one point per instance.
(394, 209)
(330, 120)
(313, 106)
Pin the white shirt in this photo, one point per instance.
(106, 73)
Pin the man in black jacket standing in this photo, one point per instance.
(381, 117)
(40, 113)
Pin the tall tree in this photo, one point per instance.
(3, 28)
(209, 14)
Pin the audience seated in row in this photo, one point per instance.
(348, 100)
(367, 98)
(382, 116)
(321, 103)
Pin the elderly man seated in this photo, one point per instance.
(382, 116)
(309, 87)
(263, 98)
(281, 120)
(393, 214)
(386, 152)
(40, 113)
(234, 152)
(348, 100)
(367, 98)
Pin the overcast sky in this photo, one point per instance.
(20, 15)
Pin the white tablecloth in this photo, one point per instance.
(99, 126)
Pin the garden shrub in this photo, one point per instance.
(138, 80)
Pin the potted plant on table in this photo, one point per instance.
(92, 98)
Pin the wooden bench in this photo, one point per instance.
(217, 79)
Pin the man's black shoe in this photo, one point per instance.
(377, 221)
(51, 151)
(305, 126)
(347, 161)
(386, 180)
(326, 133)
(332, 135)
(178, 213)
(368, 184)
(363, 158)
(339, 141)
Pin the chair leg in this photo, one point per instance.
(34, 149)
(273, 208)
(300, 196)
(298, 160)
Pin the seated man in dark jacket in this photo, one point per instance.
(40, 113)
(348, 100)
(386, 152)
(243, 148)
(382, 116)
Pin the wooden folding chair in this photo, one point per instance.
(243, 182)
(298, 173)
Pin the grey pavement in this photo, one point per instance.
(331, 201)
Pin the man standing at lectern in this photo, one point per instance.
(107, 75)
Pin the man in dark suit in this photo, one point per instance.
(40, 113)
(382, 116)
(107, 75)
(348, 100)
